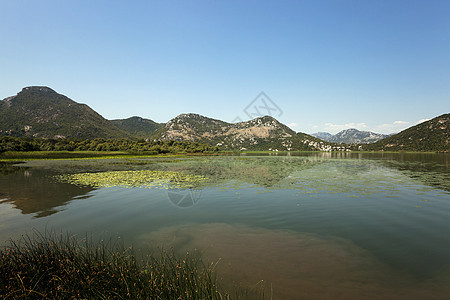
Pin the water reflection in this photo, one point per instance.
(429, 168)
(34, 191)
(316, 225)
(294, 265)
(314, 173)
(260, 171)
(7, 168)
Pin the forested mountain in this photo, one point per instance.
(432, 135)
(137, 126)
(41, 112)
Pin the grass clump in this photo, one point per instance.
(50, 266)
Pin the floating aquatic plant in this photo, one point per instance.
(143, 178)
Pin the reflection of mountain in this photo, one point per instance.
(35, 192)
(7, 168)
(431, 169)
(342, 172)
(262, 171)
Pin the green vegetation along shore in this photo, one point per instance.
(101, 145)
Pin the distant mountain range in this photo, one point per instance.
(43, 113)
(351, 136)
(324, 136)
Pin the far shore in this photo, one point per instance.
(38, 155)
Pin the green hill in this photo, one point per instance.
(137, 126)
(432, 135)
(41, 112)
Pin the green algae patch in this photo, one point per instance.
(143, 178)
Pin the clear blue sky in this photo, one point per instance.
(328, 65)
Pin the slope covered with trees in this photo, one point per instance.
(137, 126)
(41, 112)
(432, 135)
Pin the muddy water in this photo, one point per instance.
(289, 265)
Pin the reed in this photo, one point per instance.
(61, 266)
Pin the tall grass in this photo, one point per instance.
(60, 266)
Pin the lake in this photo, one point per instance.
(303, 225)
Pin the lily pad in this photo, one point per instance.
(142, 178)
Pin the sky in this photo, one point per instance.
(315, 65)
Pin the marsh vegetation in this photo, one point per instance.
(62, 266)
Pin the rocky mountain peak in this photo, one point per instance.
(263, 121)
(42, 89)
(350, 136)
(190, 116)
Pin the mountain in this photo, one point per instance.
(39, 111)
(137, 126)
(432, 135)
(324, 136)
(350, 136)
(191, 127)
(263, 133)
(354, 136)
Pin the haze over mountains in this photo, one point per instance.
(41, 112)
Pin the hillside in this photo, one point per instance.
(41, 112)
(190, 127)
(432, 135)
(263, 133)
(350, 136)
(137, 126)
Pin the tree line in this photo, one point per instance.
(99, 144)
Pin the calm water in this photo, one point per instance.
(311, 226)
